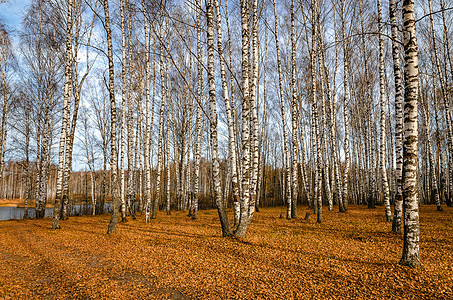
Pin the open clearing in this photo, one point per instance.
(352, 255)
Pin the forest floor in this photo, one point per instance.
(349, 256)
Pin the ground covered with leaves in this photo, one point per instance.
(349, 255)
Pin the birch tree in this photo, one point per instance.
(388, 212)
(411, 247)
(66, 112)
(396, 226)
(282, 108)
(226, 230)
(198, 122)
(114, 154)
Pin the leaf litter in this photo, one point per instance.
(349, 255)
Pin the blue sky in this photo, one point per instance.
(11, 12)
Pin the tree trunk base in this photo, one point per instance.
(411, 263)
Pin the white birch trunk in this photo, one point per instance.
(226, 230)
(282, 107)
(123, 114)
(411, 247)
(147, 118)
(65, 121)
(294, 113)
(199, 115)
(388, 211)
(114, 154)
(343, 206)
(396, 226)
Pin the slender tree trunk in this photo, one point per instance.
(168, 144)
(325, 85)
(343, 207)
(231, 134)
(114, 154)
(446, 103)
(388, 211)
(65, 122)
(282, 108)
(130, 195)
(199, 115)
(432, 167)
(294, 113)
(123, 114)
(254, 155)
(396, 226)
(147, 118)
(226, 229)
(160, 139)
(318, 180)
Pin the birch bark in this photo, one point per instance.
(199, 111)
(147, 117)
(388, 212)
(396, 226)
(411, 247)
(282, 108)
(114, 154)
(65, 121)
(226, 230)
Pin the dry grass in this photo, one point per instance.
(351, 255)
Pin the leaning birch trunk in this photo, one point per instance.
(198, 126)
(411, 247)
(396, 226)
(70, 131)
(5, 46)
(226, 230)
(231, 134)
(282, 107)
(343, 207)
(114, 154)
(325, 85)
(446, 40)
(388, 211)
(294, 113)
(123, 115)
(236, 205)
(147, 118)
(65, 122)
(68, 156)
(254, 115)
